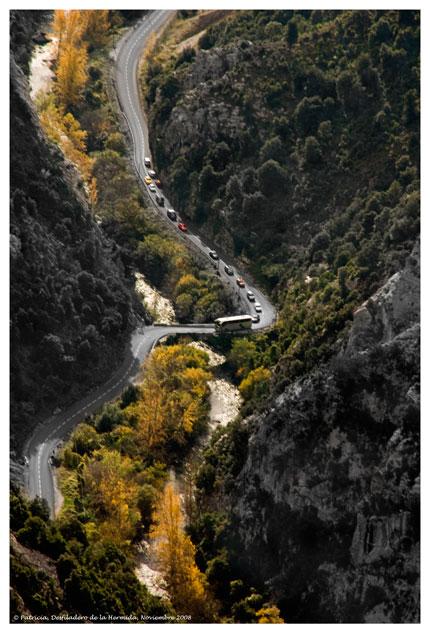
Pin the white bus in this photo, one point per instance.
(234, 323)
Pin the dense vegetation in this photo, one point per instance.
(56, 569)
(293, 138)
(147, 431)
(112, 471)
(79, 115)
(115, 466)
(114, 474)
(70, 305)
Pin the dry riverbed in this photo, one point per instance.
(225, 402)
(160, 308)
(41, 74)
(225, 399)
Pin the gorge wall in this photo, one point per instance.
(291, 138)
(327, 503)
(71, 306)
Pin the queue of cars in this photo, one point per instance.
(153, 182)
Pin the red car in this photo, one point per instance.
(182, 227)
(158, 183)
(240, 282)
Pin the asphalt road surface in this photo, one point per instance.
(47, 436)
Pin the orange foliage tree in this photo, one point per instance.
(269, 614)
(108, 482)
(71, 74)
(59, 24)
(65, 130)
(173, 395)
(96, 27)
(184, 582)
(68, 26)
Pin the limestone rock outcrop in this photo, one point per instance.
(327, 502)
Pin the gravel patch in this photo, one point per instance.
(161, 309)
(41, 74)
(225, 401)
(214, 358)
(147, 572)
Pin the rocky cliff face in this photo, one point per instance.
(70, 304)
(200, 116)
(327, 503)
(252, 135)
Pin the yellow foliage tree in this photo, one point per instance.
(96, 26)
(269, 614)
(59, 24)
(108, 482)
(173, 395)
(256, 383)
(68, 26)
(184, 582)
(66, 131)
(187, 283)
(71, 74)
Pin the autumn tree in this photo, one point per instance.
(184, 582)
(59, 24)
(96, 26)
(173, 398)
(269, 614)
(66, 131)
(71, 74)
(256, 383)
(68, 26)
(113, 494)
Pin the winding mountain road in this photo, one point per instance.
(47, 436)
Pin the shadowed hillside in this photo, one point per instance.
(70, 305)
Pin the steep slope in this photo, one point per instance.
(325, 499)
(35, 589)
(26, 29)
(292, 138)
(58, 575)
(255, 128)
(70, 305)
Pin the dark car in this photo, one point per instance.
(214, 255)
(228, 269)
(160, 200)
(171, 214)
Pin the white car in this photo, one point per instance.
(214, 255)
(152, 187)
(258, 307)
(151, 173)
(147, 161)
(250, 295)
